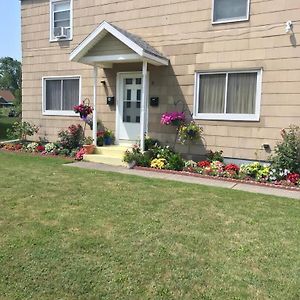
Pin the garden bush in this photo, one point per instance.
(72, 138)
(21, 130)
(287, 153)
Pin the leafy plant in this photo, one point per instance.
(71, 138)
(150, 143)
(21, 130)
(287, 152)
(88, 140)
(255, 170)
(189, 132)
(132, 155)
(217, 155)
(175, 162)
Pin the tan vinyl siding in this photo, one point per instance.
(109, 46)
(181, 30)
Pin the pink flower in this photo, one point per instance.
(79, 154)
(173, 118)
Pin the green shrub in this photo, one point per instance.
(72, 138)
(151, 143)
(287, 153)
(175, 162)
(21, 130)
(215, 156)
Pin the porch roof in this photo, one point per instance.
(139, 49)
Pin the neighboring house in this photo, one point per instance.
(6, 98)
(235, 65)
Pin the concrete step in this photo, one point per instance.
(104, 159)
(112, 151)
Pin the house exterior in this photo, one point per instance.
(6, 98)
(234, 66)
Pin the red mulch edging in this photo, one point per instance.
(184, 173)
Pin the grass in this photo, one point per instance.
(67, 233)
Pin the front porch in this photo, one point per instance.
(106, 46)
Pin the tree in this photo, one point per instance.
(11, 77)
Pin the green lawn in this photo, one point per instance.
(67, 233)
(5, 123)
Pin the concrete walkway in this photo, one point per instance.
(189, 179)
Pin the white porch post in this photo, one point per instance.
(143, 105)
(94, 104)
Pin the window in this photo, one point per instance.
(60, 95)
(61, 20)
(228, 95)
(230, 10)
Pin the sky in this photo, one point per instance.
(10, 29)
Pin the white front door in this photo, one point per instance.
(129, 106)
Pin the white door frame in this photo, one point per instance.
(120, 76)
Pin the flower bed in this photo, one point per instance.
(189, 174)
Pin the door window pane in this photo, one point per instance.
(128, 95)
(138, 95)
(230, 10)
(138, 81)
(128, 80)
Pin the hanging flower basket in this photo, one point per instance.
(84, 109)
(175, 118)
(189, 132)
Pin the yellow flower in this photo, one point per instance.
(158, 163)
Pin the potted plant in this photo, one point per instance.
(100, 138)
(189, 132)
(108, 137)
(174, 118)
(131, 156)
(88, 145)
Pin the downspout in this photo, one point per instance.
(143, 105)
(94, 104)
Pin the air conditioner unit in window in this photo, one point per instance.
(60, 33)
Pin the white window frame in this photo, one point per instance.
(227, 116)
(69, 113)
(52, 38)
(231, 20)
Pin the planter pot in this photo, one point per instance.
(131, 165)
(107, 141)
(100, 142)
(89, 149)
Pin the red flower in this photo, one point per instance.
(100, 133)
(293, 177)
(232, 167)
(203, 164)
(18, 147)
(40, 148)
(83, 109)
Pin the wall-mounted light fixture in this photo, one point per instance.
(103, 82)
(289, 27)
